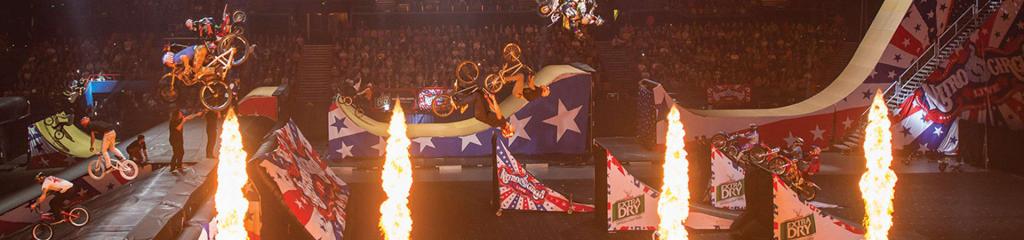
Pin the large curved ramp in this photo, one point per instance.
(818, 120)
(509, 106)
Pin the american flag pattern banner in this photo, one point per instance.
(518, 189)
(44, 154)
(796, 219)
(632, 205)
(979, 82)
(315, 196)
(87, 188)
(726, 190)
(556, 124)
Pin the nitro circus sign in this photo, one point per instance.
(629, 207)
(729, 190)
(522, 184)
(798, 227)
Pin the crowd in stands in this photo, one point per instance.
(274, 61)
(782, 61)
(428, 56)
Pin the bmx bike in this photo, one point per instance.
(128, 169)
(443, 105)
(513, 66)
(77, 217)
(228, 51)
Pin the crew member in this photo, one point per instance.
(137, 150)
(213, 119)
(176, 138)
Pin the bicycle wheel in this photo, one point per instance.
(49, 121)
(240, 45)
(215, 95)
(167, 92)
(238, 17)
(78, 217)
(512, 52)
(97, 170)
(237, 30)
(493, 83)
(443, 105)
(467, 72)
(42, 231)
(58, 134)
(128, 169)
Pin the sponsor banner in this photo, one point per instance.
(520, 190)
(316, 197)
(796, 219)
(557, 123)
(726, 190)
(632, 205)
(728, 94)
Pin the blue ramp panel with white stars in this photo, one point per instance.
(557, 123)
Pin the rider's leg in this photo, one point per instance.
(57, 203)
(525, 88)
(186, 61)
(113, 146)
(200, 57)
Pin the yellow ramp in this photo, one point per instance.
(78, 148)
(509, 106)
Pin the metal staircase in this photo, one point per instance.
(937, 53)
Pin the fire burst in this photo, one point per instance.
(396, 219)
(877, 185)
(231, 177)
(673, 205)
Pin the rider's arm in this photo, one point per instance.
(92, 139)
(42, 197)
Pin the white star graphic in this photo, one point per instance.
(520, 127)
(381, 146)
(906, 42)
(299, 203)
(847, 123)
(873, 73)
(789, 139)
(346, 150)
(938, 131)
(922, 147)
(931, 15)
(469, 139)
(818, 133)
(564, 120)
(424, 142)
(892, 74)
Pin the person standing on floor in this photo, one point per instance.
(213, 119)
(176, 125)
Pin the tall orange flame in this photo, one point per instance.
(231, 205)
(877, 185)
(396, 219)
(674, 202)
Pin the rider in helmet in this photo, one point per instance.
(753, 138)
(59, 188)
(191, 57)
(796, 151)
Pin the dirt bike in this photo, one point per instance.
(771, 160)
(128, 169)
(43, 230)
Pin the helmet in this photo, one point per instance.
(753, 126)
(799, 140)
(40, 176)
(188, 24)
